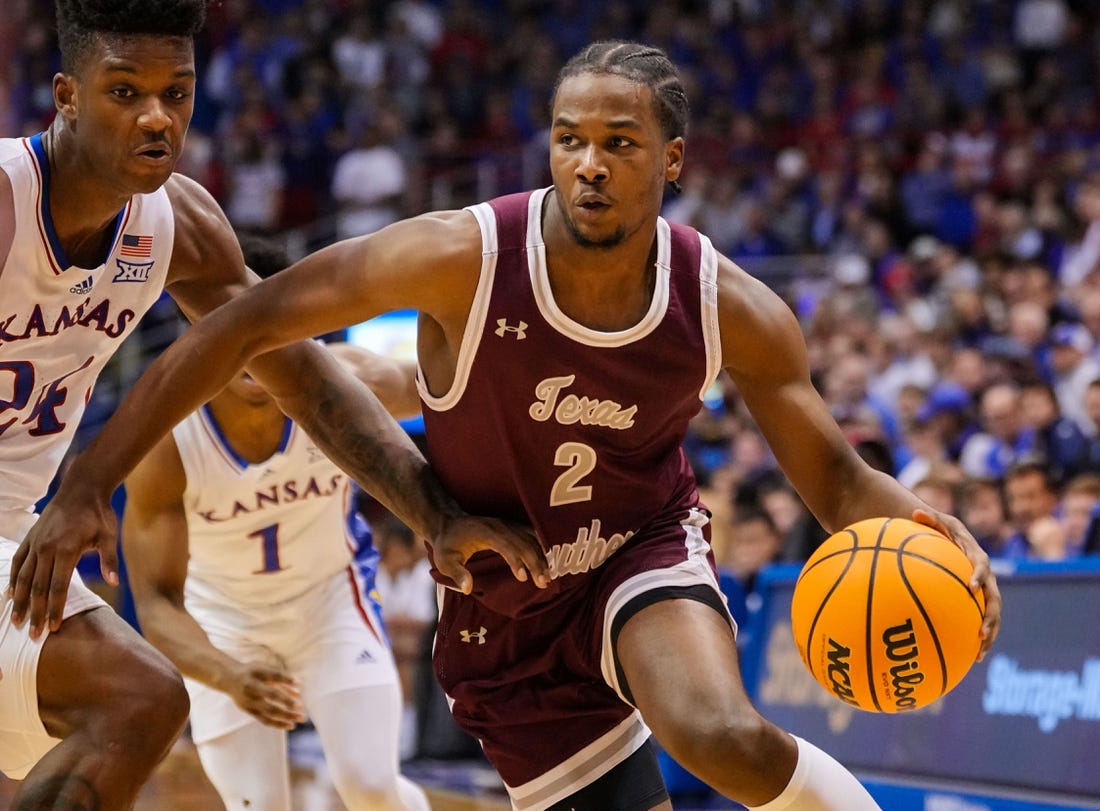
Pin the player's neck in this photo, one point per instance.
(607, 290)
(254, 432)
(82, 207)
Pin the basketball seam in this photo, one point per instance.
(920, 607)
(946, 570)
(867, 618)
(825, 600)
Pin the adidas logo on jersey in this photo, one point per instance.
(83, 287)
(364, 657)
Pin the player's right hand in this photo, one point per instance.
(466, 535)
(983, 576)
(75, 521)
(270, 695)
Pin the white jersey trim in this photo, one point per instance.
(694, 571)
(227, 453)
(57, 260)
(66, 321)
(475, 321)
(588, 765)
(40, 221)
(708, 294)
(544, 295)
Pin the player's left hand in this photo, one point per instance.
(466, 535)
(269, 694)
(75, 521)
(983, 576)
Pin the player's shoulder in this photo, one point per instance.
(12, 148)
(6, 187)
(458, 225)
(11, 151)
(7, 215)
(189, 197)
(203, 233)
(750, 313)
(435, 237)
(18, 165)
(197, 213)
(739, 290)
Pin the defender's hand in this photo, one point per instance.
(73, 523)
(464, 536)
(270, 695)
(983, 576)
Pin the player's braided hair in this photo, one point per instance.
(644, 64)
(639, 63)
(80, 21)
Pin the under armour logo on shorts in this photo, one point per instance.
(468, 636)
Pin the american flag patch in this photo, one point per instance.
(137, 246)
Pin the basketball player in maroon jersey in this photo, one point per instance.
(566, 338)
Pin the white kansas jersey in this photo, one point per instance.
(268, 532)
(59, 324)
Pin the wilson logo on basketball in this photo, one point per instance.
(901, 646)
(839, 671)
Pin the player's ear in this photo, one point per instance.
(64, 95)
(674, 159)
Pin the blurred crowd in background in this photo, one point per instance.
(919, 179)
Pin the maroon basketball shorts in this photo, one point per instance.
(533, 674)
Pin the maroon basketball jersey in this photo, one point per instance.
(574, 431)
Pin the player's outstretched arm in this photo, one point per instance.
(426, 264)
(765, 355)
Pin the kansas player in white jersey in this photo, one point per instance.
(60, 322)
(87, 232)
(93, 226)
(252, 571)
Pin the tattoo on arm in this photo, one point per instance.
(385, 462)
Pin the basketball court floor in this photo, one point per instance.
(180, 785)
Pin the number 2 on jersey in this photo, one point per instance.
(580, 460)
(43, 415)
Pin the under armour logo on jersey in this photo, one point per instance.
(503, 327)
(132, 271)
(83, 286)
(468, 636)
(364, 657)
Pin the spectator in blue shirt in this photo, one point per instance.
(1057, 437)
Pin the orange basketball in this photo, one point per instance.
(884, 617)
